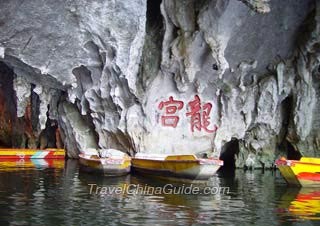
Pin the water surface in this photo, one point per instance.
(61, 196)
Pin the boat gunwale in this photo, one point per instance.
(32, 149)
(293, 162)
(30, 157)
(199, 161)
(99, 159)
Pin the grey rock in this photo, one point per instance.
(103, 67)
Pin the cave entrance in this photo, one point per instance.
(292, 153)
(287, 146)
(154, 13)
(8, 117)
(22, 132)
(228, 152)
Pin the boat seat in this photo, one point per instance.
(151, 156)
(165, 156)
(107, 153)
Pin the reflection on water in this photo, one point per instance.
(301, 202)
(61, 196)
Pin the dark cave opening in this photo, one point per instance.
(154, 13)
(292, 153)
(228, 153)
(8, 118)
(50, 137)
(286, 146)
(286, 111)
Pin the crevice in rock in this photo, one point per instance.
(89, 121)
(286, 112)
(151, 55)
(198, 7)
(121, 141)
(84, 78)
(228, 154)
(35, 108)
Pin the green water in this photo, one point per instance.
(62, 197)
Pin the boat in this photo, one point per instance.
(304, 172)
(186, 166)
(8, 165)
(17, 153)
(109, 162)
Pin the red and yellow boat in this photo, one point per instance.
(49, 153)
(27, 164)
(304, 172)
(187, 167)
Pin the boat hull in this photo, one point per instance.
(8, 165)
(32, 154)
(304, 173)
(193, 169)
(106, 166)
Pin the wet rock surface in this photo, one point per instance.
(236, 79)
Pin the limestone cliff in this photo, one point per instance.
(235, 79)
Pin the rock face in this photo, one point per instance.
(235, 79)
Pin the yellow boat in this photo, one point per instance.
(176, 166)
(109, 162)
(17, 153)
(304, 172)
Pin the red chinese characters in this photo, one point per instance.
(171, 106)
(200, 115)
